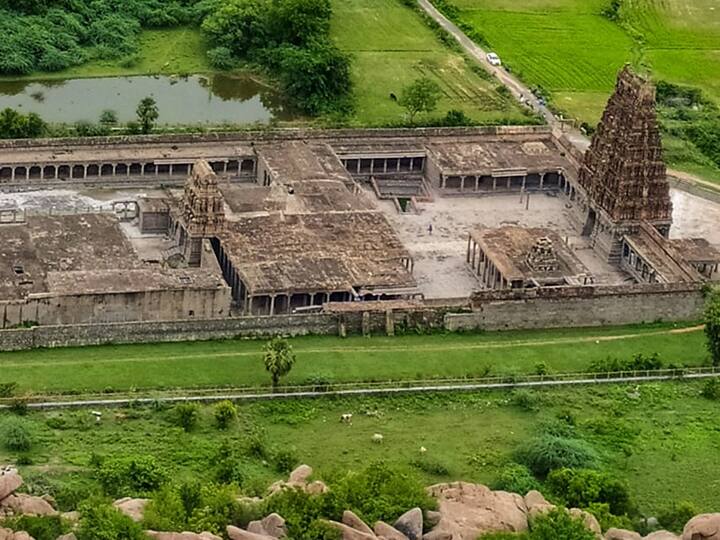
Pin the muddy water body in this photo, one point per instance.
(196, 99)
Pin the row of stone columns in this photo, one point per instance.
(384, 165)
(126, 169)
(475, 182)
(483, 267)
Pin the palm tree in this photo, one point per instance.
(279, 359)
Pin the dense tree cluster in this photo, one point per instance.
(15, 125)
(291, 39)
(52, 35)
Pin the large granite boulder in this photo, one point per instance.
(621, 534)
(470, 510)
(411, 524)
(182, 535)
(351, 519)
(661, 535)
(234, 533)
(132, 508)
(702, 527)
(24, 504)
(10, 481)
(386, 532)
(348, 533)
(588, 519)
(300, 475)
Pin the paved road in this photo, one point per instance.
(519, 90)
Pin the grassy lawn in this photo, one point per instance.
(239, 363)
(662, 438)
(570, 49)
(391, 47)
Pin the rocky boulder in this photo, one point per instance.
(68, 536)
(7, 534)
(621, 534)
(351, 519)
(23, 504)
(132, 508)
(300, 476)
(588, 519)
(537, 504)
(10, 481)
(470, 510)
(411, 524)
(348, 533)
(702, 527)
(182, 535)
(234, 533)
(661, 535)
(386, 532)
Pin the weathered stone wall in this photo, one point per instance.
(491, 310)
(580, 306)
(101, 308)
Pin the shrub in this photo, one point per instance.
(430, 466)
(15, 435)
(711, 389)
(675, 516)
(39, 527)
(185, 415)
(285, 460)
(380, 492)
(131, 476)
(101, 521)
(8, 389)
(558, 524)
(524, 399)
(583, 487)
(548, 452)
(221, 58)
(225, 413)
(607, 519)
(516, 478)
(227, 466)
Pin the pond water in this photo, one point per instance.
(196, 99)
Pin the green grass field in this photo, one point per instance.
(661, 438)
(570, 49)
(239, 363)
(391, 46)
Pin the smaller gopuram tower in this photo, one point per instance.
(203, 212)
(623, 173)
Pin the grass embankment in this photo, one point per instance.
(239, 362)
(571, 50)
(662, 438)
(391, 47)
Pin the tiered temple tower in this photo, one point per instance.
(203, 212)
(623, 174)
(542, 256)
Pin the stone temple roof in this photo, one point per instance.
(514, 252)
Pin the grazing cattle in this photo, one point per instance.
(346, 418)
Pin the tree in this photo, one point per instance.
(422, 95)
(558, 524)
(238, 25)
(147, 113)
(279, 359)
(712, 325)
(108, 117)
(101, 521)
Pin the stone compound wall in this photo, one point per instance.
(491, 310)
(580, 306)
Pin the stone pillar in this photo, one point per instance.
(389, 323)
(366, 323)
(372, 165)
(542, 180)
(523, 183)
(477, 183)
(494, 183)
(385, 165)
(398, 164)
(359, 161)
(470, 241)
(412, 164)
(272, 302)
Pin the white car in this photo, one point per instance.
(494, 59)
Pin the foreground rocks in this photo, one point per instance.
(182, 535)
(300, 478)
(702, 527)
(133, 508)
(14, 504)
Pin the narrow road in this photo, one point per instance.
(520, 90)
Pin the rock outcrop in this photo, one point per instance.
(181, 535)
(411, 524)
(7, 534)
(10, 481)
(702, 527)
(235, 533)
(299, 479)
(470, 510)
(133, 508)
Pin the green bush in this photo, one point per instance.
(285, 460)
(185, 416)
(101, 521)
(582, 487)
(39, 527)
(131, 476)
(516, 478)
(225, 414)
(675, 516)
(607, 519)
(548, 452)
(431, 466)
(711, 389)
(8, 389)
(558, 524)
(15, 435)
(221, 58)
(227, 469)
(524, 399)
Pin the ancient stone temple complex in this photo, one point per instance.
(290, 222)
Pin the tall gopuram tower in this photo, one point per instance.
(623, 174)
(203, 211)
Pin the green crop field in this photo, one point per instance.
(569, 48)
(660, 438)
(391, 46)
(239, 363)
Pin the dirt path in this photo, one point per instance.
(367, 349)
